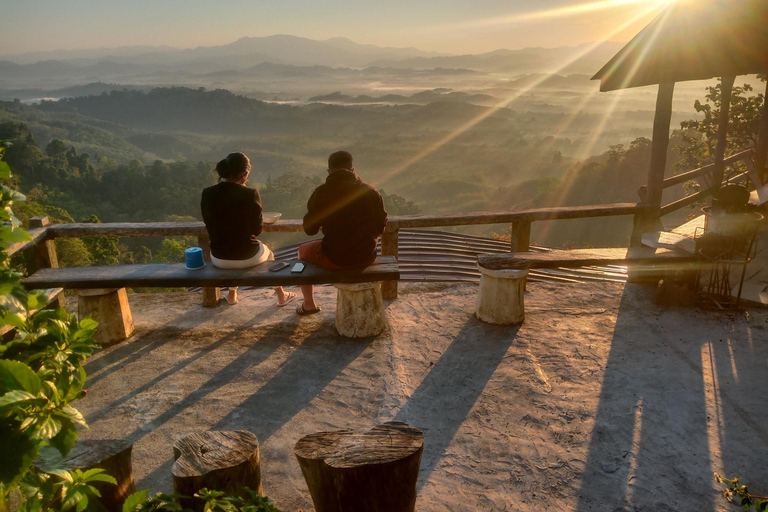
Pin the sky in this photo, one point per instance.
(444, 26)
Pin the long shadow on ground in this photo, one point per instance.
(673, 409)
(447, 394)
(314, 364)
(143, 345)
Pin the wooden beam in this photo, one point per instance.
(698, 196)
(581, 258)
(211, 295)
(762, 138)
(689, 175)
(520, 236)
(43, 253)
(390, 241)
(726, 88)
(176, 275)
(508, 217)
(660, 144)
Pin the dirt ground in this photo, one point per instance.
(599, 401)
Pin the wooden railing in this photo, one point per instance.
(700, 174)
(520, 220)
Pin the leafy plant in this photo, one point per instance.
(41, 373)
(215, 501)
(737, 493)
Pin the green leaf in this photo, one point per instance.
(82, 503)
(10, 235)
(64, 441)
(74, 415)
(98, 475)
(19, 451)
(133, 501)
(5, 170)
(19, 397)
(48, 428)
(15, 375)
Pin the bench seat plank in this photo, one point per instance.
(582, 258)
(176, 275)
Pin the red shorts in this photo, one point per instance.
(313, 253)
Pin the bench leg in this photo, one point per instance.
(500, 297)
(360, 310)
(110, 308)
(211, 297)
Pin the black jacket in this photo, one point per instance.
(352, 216)
(232, 213)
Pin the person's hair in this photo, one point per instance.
(340, 160)
(234, 166)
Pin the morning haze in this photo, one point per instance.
(441, 126)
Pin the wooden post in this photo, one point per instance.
(211, 296)
(520, 233)
(650, 220)
(372, 472)
(360, 310)
(389, 247)
(761, 152)
(111, 455)
(43, 255)
(109, 307)
(223, 461)
(726, 88)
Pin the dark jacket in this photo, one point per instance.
(352, 216)
(232, 213)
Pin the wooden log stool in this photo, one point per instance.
(111, 455)
(360, 310)
(376, 471)
(500, 299)
(218, 460)
(109, 307)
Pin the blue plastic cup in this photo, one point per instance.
(193, 258)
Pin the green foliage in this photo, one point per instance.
(172, 251)
(215, 501)
(699, 136)
(103, 249)
(739, 494)
(41, 374)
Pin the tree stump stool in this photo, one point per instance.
(111, 455)
(219, 460)
(360, 310)
(376, 471)
(500, 299)
(109, 307)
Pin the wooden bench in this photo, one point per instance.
(503, 276)
(360, 310)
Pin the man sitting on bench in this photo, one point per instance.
(352, 216)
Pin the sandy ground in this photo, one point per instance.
(599, 401)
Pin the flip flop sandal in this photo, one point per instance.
(303, 312)
(290, 296)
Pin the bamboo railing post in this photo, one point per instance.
(726, 88)
(210, 295)
(390, 247)
(649, 220)
(520, 236)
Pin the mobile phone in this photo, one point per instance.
(299, 267)
(278, 266)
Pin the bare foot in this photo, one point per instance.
(232, 296)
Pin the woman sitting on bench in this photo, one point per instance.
(232, 214)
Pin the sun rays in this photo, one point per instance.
(430, 149)
(561, 12)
